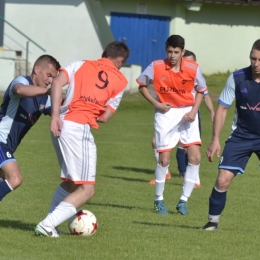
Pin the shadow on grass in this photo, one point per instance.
(6, 223)
(169, 182)
(151, 224)
(112, 205)
(141, 170)
(119, 206)
(125, 179)
(134, 169)
(191, 227)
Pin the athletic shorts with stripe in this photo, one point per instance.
(170, 129)
(237, 152)
(76, 152)
(6, 154)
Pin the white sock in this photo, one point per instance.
(59, 195)
(214, 219)
(61, 213)
(8, 184)
(197, 180)
(160, 174)
(189, 180)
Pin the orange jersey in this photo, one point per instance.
(92, 87)
(177, 88)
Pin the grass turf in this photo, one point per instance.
(123, 203)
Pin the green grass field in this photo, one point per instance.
(123, 203)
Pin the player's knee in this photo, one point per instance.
(15, 181)
(195, 159)
(89, 191)
(164, 162)
(222, 183)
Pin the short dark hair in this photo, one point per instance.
(47, 59)
(116, 49)
(256, 45)
(175, 41)
(189, 53)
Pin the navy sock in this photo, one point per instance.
(186, 160)
(217, 201)
(180, 156)
(4, 189)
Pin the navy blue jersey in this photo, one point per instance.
(246, 91)
(247, 94)
(18, 114)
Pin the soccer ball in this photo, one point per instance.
(83, 223)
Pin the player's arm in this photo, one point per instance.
(198, 100)
(106, 116)
(56, 98)
(111, 107)
(146, 79)
(219, 121)
(225, 100)
(200, 87)
(29, 90)
(209, 106)
(162, 107)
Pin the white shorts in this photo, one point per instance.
(76, 152)
(170, 129)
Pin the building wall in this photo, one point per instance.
(220, 35)
(63, 28)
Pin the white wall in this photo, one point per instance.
(64, 30)
(220, 35)
(7, 68)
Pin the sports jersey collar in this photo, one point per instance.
(168, 65)
(29, 80)
(105, 60)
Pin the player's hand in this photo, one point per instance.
(213, 148)
(163, 107)
(56, 125)
(189, 117)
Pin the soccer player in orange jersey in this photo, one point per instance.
(94, 92)
(179, 86)
(181, 153)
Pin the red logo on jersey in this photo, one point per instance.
(254, 108)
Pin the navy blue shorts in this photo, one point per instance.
(6, 155)
(237, 152)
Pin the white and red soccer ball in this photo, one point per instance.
(83, 223)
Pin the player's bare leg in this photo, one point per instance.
(12, 178)
(156, 156)
(160, 173)
(217, 199)
(189, 178)
(79, 195)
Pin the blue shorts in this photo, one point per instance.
(6, 155)
(237, 152)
